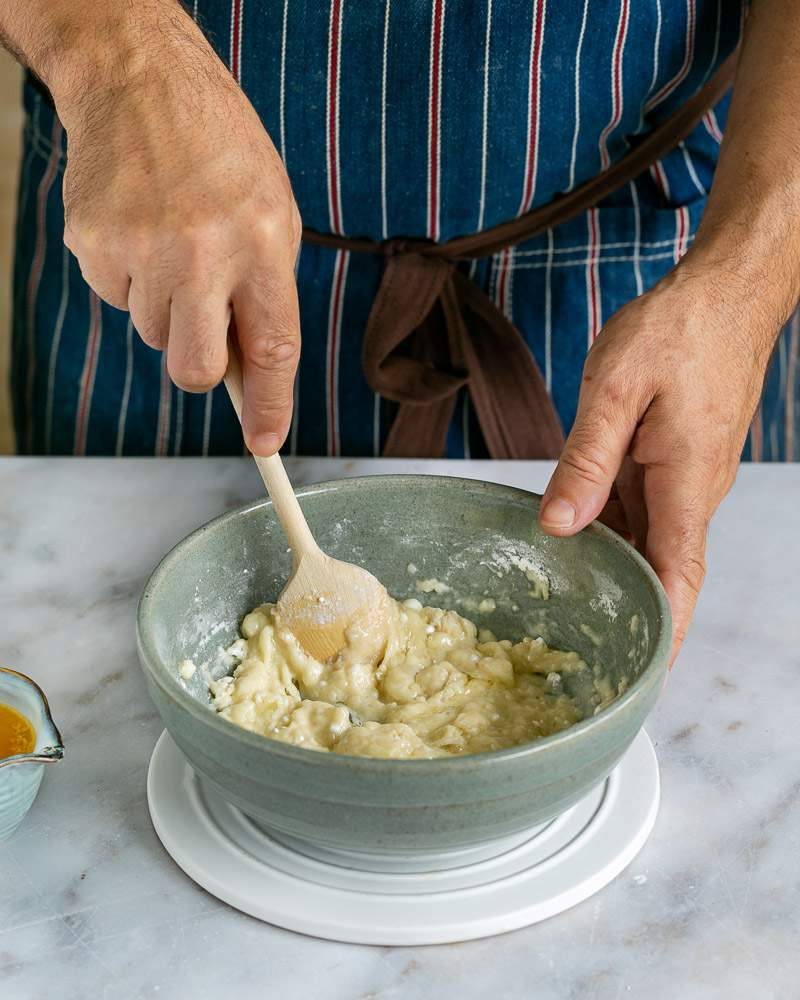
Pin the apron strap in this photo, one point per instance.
(431, 331)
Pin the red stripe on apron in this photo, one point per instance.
(35, 276)
(236, 39)
(532, 151)
(334, 64)
(688, 57)
(88, 374)
(681, 232)
(334, 338)
(712, 126)
(616, 83)
(593, 276)
(660, 177)
(434, 116)
(164, 410)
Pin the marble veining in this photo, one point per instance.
(91, 906)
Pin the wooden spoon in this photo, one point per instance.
(325, 599)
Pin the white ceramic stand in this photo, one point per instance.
(527, 878)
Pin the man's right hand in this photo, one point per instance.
(178, 208)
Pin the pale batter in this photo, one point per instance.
(441, 688)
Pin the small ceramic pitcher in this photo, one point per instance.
(21, 775)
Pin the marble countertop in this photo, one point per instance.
(91, 905)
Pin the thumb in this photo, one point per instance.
(592, 456)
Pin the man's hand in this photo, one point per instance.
(672, 382)
(668, 391)
(177, 204)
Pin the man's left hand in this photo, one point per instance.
(669, 389)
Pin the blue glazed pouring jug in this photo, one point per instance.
(21, 774)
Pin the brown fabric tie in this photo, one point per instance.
(455, 336)
(432, 331)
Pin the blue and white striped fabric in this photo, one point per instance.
(406, 117)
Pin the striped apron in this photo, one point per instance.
(425, 119)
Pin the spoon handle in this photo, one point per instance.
(273, 473)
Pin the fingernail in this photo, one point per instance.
(264, 444)
(558, 513)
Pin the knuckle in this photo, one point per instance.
(618, 392)
(85, 246)
(279, 225)
(107, 281)
(642, 451)
(587, 462)
(692, 572)
(686, 559)
(659, 440)
(268, 227)
(273, 352)
(611, 385)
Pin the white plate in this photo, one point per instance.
(527, 878)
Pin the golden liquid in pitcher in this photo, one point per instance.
(17, 735)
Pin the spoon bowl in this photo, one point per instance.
(326, 600)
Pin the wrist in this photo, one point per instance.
(753, 254)
(727, 300)
(99, 55)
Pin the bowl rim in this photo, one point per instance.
(156, 670)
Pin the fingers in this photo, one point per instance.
(268, 332)
(592, 455)
(182, 304)
(197, 352)
(149, 306)
(630, 487)
(676, 540)
(107, 277)
(613, 516)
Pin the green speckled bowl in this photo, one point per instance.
(478, 538)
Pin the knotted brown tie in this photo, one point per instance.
(452, 335)
(432, 331)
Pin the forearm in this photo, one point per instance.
(750, 233)
(77, 46)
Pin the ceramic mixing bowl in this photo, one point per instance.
(602, 599)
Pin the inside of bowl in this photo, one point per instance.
(477, 545)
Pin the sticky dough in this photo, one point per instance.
(440, 689)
